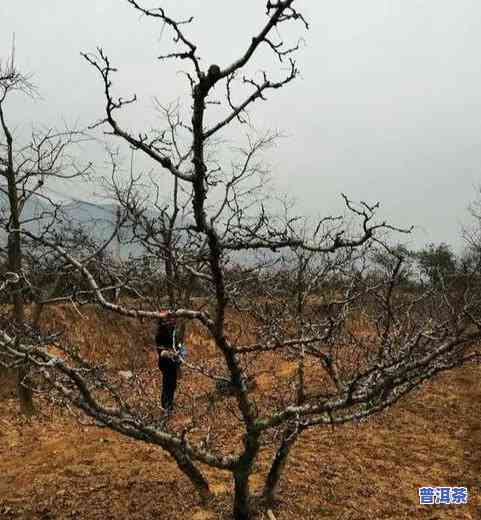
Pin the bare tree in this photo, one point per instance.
(338, 374)
(158, 228)
(25, 167)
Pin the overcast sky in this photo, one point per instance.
(387, 106)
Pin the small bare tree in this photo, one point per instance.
(157, 227)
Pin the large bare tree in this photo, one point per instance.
(302, 323)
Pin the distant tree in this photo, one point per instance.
(159, 228)
(437, 262)
(388, 259)
(471, 232)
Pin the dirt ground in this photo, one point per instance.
(61, 466)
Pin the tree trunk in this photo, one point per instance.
(241, 495)
(169, 272)
(187, 467)
(24, 391)
(278, 464)
(242, 506)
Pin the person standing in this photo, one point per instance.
(169, 360)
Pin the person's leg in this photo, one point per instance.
(165, 386)
(169, 385)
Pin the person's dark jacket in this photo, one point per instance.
(164, 335)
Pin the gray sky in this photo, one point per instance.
(388, 106)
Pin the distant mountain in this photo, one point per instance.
(97, 219)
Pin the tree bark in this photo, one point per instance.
(242, 509)
(242, 506)
(24, 391)
(189, 469)
(272, 480)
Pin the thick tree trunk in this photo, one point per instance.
(242, 510)
(242, 506)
